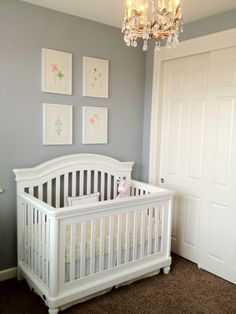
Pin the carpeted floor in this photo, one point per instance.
(185, 290)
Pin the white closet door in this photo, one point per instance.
(198, 158)
(218, 216)
(183, 124)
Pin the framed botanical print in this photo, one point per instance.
(95, 125)
(57, 124)
(56, 72)
(95, 77)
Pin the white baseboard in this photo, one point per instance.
(8, 274)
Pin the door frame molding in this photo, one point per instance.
(203, 44)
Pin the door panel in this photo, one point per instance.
(217, 231)
(174, 136)
(191, 222)
(195, 141)
(223, 141)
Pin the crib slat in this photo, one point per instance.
(32, 238)
(49, 192)
(156, 230)
(23, 231)
(82, 249)
(26, 228)
(66, 180)
(115, 188)
(72, 252)
(57, 193)
(81, 183)
(88, 182)
(101, 256)
(47, 251)
(150, 212)
(95, 181)
(39, 244)
(35, 240)
(143, 227)
(119, 239)
(29, 234)
(92, 246)
(43, 247)
(131, 191)
(161, 221)
(127, 237)
(40, 192)
(111, 239)
(108, 186)
(31, 190)
(135, 236)
(102, 185)
(73, 188)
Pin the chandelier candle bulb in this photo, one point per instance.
(129, 8)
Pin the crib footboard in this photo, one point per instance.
(72, 253)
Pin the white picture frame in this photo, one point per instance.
(95, 77)
(57, 124)
(95, 125)
(56, 72)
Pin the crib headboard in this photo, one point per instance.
(73, 175)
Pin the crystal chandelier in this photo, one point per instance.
(157, 19)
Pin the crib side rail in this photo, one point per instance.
(141, 188)
(96, 242)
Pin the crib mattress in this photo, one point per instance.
(106, 258)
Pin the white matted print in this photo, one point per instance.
(56, 72)
(95, 77)
(57, 124)
(95, 125)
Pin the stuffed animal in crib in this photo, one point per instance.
(123, 188)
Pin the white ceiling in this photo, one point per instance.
(111, 11)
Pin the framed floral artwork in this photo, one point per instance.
(57, 124)
(95, 77)
(56, 72)
(95, 125)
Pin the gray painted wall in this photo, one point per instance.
(199, 28)
(24, 30)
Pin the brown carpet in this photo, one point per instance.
(185, 290)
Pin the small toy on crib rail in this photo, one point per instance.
(123, 188)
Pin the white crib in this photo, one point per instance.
(70, 254)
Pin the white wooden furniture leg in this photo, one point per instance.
(166, 270)
(53, 310)
(19, 276)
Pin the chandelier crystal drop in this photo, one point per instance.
(160, 20)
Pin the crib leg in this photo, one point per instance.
(53, 310)
(19, 276)
(166, 270)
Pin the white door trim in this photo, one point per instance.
(215, 41)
